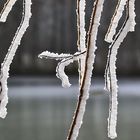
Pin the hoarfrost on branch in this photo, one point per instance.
(5, 66)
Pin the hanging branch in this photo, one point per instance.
(11, 53)
(115, 20)
(110, 74)
(81, 42)
(6, 10)
(107, 73)
(113, 87)
(132, 27)
(86, 81)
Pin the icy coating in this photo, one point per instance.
(5, 66)
(82, 36)
(115, 20)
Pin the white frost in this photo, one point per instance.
(61, 74)
(82, 36)
(6, 10)
(132, 15)
(111, 72)
(60, 69)
(10, 55)
(114, 21)
(84, 88)
(51, 55)
(112, 120)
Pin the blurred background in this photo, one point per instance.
(39, 108)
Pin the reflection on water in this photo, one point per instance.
(49, 119)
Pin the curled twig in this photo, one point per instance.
(66, 60)
(61, 67)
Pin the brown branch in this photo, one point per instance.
(74, 121)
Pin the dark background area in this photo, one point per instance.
(53, 27)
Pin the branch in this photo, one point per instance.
(61, 67)
(115, 20)
(86, 81)
(56, 56)
(66, 60)
(110, 72)
(10, 55)
(6, 10)
(81, 42)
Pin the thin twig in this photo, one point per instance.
(84, 88)
(5, 66)
(6, 10)
(111, 74)
(81, 40)
(114, 21)
(107, 73)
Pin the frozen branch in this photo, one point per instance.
(107, 72)
(61, 67)
(113, 84)
(89, 61)
(6, 10)
(10, 55)
(66, 60)
(56, 56)
(81, 42)
(115, 20)
(132, 15)
(110, 74)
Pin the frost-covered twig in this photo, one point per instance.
(107, 73)
(81, 42)
(60, 73)
(113, 84)
(56, 56)
(66, 60)
(85, 85)
(10, 55)
(6, 10)
(132, 15)
(114, 21)
(110, 74)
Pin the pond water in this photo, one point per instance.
(48, 116)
